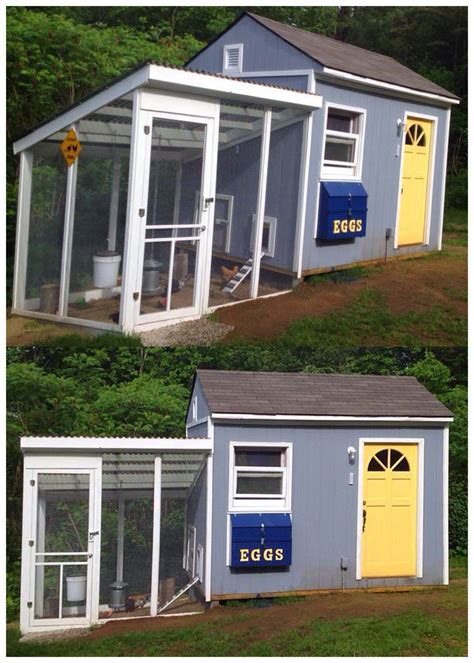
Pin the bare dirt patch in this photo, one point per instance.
(407, 285)
(264, 623)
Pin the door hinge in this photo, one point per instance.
(146, 129)
(29, 604)
(31, 543)
(32, 482)
(136, 295)
(141, 212)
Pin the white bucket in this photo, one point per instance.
(76, 588)
(106, 269)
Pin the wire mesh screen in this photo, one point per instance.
(127, 534)
(183, 510)
(45, 236)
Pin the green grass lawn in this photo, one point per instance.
(432, 623)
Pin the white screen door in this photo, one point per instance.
(174, 238)
(64, 546)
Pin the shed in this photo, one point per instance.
(285, 484)
(274, 154)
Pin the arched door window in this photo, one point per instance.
(388, 459)
(415, 135)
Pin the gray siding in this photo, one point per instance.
(196, 506)
(297, 82)
(263, 50)
(380, 177)
(324, 508)
(202, 406)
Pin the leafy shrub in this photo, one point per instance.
(456, 189)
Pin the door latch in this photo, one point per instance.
(207, 202)
(92, 534)
(364, 519)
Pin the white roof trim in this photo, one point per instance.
(181, 80)
(372, 82)
(296, 417)
(113, 444)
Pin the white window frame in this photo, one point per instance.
(238, 69)
(262, 503)
(191, 548)
(217, 219)
(272, 222)
(342, 170)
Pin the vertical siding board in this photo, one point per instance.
(324, 508)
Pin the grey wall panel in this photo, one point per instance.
(263, 50)
(380, 177)
(297, 82)
(324, 508)
(200, 430)
(196, 507)
(202, 406)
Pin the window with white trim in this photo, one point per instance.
(260, 476)
(343, 143)
(268, 235)
(233, 58)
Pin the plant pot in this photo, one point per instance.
(76, 588)
(106, 268)
(118, 595)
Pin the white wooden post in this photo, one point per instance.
(133, 247)
(67, 238)
(95, 520)
(208, 551)
(40, 547)
(22, 229)
(302, 194)
(27, 606)
(114, 204)
(120, 536)
(261, 197)
(155, 563)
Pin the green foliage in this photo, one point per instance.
(432, 373)
(456, 189)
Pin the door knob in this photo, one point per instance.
(364, 518)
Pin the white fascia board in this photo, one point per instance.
(334, 418)
(111, 444)
(389, 87)
(93, 103)
(217, 86)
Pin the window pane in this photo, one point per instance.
(259, 483)
(337, 150)
(339, 122)
(258, 457)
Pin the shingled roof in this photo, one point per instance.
(351, 59)
(316, 394)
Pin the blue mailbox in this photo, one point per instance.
(342, 210)
(261, 539)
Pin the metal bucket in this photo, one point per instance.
(151, 276)
(118, 595)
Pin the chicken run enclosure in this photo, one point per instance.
(146, 203)
(115, 534)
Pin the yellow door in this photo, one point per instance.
(389, 510)
(414, 188)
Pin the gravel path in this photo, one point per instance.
(194, 332)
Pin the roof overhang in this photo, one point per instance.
(387, 88)
(88, 445)
(289, 418)
(175, 80)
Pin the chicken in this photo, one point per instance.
(229, 274)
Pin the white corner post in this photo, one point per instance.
(120, 536)
(261, 197)
(302, 194)
(67, 237)
(114, 204)
(27, 553)
(155, 563)
(139, 157)
(22, 229)
(443, 179)
(210, 491)
(446, 505)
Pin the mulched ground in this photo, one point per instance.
(282, 617)
(408, 285)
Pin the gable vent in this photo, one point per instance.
(233, 58)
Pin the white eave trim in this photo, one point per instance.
(111, 444)
(372, 82)
(294, 417)
(178, 80)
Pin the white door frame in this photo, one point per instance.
(35, 465)
(430, 183)
(419, 496)
(149, 104)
